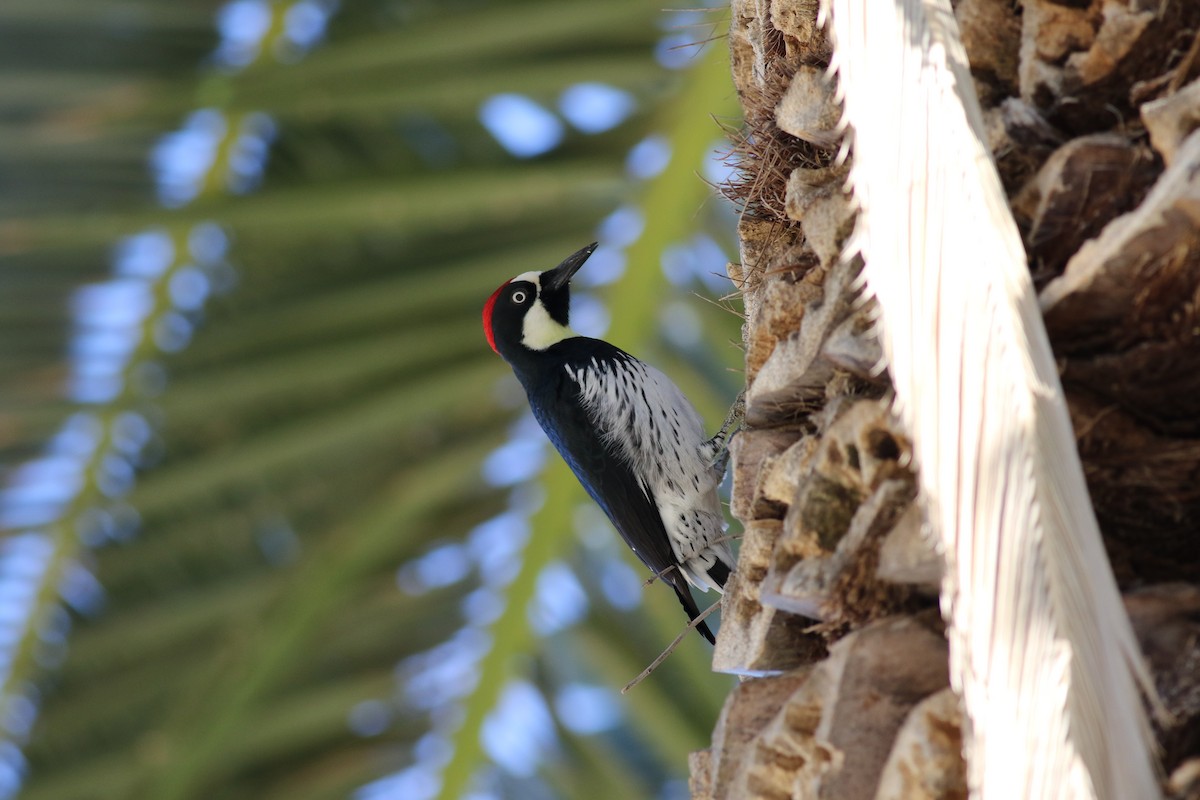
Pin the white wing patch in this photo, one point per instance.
(640, 411)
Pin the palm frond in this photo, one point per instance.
(326, 423)
(1041, 649)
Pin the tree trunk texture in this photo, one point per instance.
(1093, 112)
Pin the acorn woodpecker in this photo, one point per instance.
(627, 432)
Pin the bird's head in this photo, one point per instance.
(530, 312)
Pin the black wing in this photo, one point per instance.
(610, 481)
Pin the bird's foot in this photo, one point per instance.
(716, 449)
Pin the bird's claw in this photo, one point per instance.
(718, 446)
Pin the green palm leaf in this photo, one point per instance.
(327, 422)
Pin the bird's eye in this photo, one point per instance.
(518, 296)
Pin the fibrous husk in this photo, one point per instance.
(1098, 50)
(827, 730)
(779, 277)
(791, 382)
(1077, 191)
(750, 707)
(1146, 490)
(1166, 619)
(1171, 119)
(851, 493)
(1019, 138)
(991, 32)
(755, 639)
(817, 198)
(926, 761)
(908, 555)
(808, 109)
(843, 587)
(1131, 296)
(758, 451)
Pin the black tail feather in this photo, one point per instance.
(684, 593)
(719, 572)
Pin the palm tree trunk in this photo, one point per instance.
(834, 595)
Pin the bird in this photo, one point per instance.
(634, 441)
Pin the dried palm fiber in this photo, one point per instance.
(1042, 652)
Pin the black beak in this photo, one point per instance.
(560, 276)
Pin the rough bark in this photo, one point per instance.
(1093, 111)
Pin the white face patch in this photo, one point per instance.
(538, 330)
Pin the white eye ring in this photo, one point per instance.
(518, 296)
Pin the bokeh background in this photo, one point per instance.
(276, 522)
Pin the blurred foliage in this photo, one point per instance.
(328, 420)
